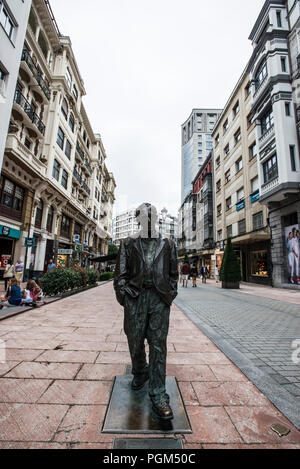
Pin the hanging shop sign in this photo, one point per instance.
(29, 242)
(78, 247)
(66, 252)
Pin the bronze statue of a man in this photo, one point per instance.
(145, 282)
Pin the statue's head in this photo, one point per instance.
(146, 216)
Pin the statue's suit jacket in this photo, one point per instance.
(129, 273)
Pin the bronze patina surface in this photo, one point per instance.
(131, 411)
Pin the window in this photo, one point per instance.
(237, 136)
(261, 74)
(229, 231)
(27, 143)
(218, 185)
(228, 204)
(227, 176)
(236, 109)
(287, 109)
(69, 77)
(254, 184)
(239, 165)
(64, 179)
(3, 80)
(68, 149)
(248, 90)
(219, 210)
(293, 159)
(283, 64)
(270, 169)
(259, 264)
(11, 199)
(39, 215)
(258, 221)
(65, 109)
(218, 162)
(278, 18)
(60, 138)
(65, 226)
(250, 120)
(6, 21)
(240, 195)
(217, 140)
(242, 227)
(72, 122)
(50, 219)
(225, 126)
(252, 151)
(220, 235)
(56, 170)
(267, 121)
(226, 150)
(75, 92)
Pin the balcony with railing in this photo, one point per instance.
(26, 57)
(88, 167)
(80, 151)
(86, 188)
(30, 113)
(260, 87)
(77, 176)
(266, 136)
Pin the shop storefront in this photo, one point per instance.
(255, 260)
(8, 238)
(64, 255)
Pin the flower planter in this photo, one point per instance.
(231, 285)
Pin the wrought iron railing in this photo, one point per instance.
(26, 57)
(22, 101)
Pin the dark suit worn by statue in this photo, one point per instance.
(146, 284)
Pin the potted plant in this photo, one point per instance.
(230, 273)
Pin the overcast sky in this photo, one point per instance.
(146, 65)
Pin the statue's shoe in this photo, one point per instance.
(139, 381)
(163, 410)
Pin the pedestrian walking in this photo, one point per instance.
(185, 271)
(9, 272)
(51, 266)
(204, 273)
(19, 268)
(194, 275)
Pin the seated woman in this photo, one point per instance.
(13, 295)
(31, 294)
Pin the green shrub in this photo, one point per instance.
(231, 269)
(61, 280)
(106, 276)
(91, 276)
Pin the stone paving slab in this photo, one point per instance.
(256, 332)
(57, 396)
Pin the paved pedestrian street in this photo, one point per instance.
(257, 332)
(61, 360)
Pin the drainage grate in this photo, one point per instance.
(147, 443)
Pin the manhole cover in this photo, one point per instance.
(147, 443)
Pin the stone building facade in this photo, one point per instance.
(56, 192)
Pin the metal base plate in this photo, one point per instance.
(147, 443)
(131, 411)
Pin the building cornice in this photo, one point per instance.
(262, 15)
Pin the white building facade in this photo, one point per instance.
(13, 23)
(276, 134)
(56, 193)
(125, 225)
